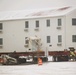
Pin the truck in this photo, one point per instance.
(35, 44)
(65, 55)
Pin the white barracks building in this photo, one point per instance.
(55, 27)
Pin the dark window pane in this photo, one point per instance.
(74, 38)
(73, 21)
(37, 23)
(59, 38)
(1, 26)
(48, 39)
(26, 24)
(48, 23)
(1, 41)
(26, 41)
(59, 22)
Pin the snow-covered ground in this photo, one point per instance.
(49, 68)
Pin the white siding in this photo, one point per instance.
(70, 30)
(14, 34)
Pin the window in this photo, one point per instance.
(37, 23)
(26, 24)
(1, 41)
(1, 27)
(48, 39)
(26, 40)
(59, 38)
(59, 22)
(73, 21)
(48, 23)
(73, 38)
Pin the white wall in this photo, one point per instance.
(70, 30)
(14, 34)
(48, 31)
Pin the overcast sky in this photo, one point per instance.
(10, 5)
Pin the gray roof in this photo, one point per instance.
(27, 14)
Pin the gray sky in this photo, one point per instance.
(9, 5)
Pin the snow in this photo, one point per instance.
(49, 68)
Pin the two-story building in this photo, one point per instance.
(55, 27)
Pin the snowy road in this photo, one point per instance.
(50, 68)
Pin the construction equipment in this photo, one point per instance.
(65, 55)
(72, 54)
(7, 60)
